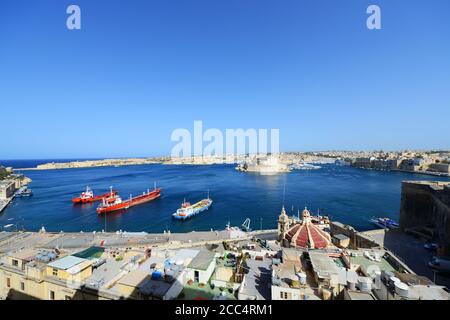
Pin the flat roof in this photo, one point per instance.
(341, 236)
(424, 292)
(322, 264)
(358, 295)
(4, 183)
(291, 254)
(66, 262)
(202, 260)
(135, 278)
(368, 265)
(104, 273)
(185, 255)
(25, 254)
(259, 272)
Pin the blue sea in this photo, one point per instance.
(346, 194)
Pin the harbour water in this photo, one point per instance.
(344, 193)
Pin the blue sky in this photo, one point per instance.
(137, 70)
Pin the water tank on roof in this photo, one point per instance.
(179, 262)
(402, 289)
(301, 278)
(365, 284)
(157, 275)
(393, 280)
(386, 275)
(167, 263)
(170, 275)
(378, 279)
(351, 285)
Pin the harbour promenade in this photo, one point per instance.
(11, 241)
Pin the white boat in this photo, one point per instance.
(385, 223)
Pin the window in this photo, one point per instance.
(15, 263)
(52, 295)
(285, 295)
(55, 272)
(8, 282)
(22, 286)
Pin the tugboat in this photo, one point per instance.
(114, 202)
(385, 223)
(88, 196)
(188, 211)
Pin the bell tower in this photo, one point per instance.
(283, 225)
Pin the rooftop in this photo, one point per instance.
(105, 273)
(322, 264)
(424, 292)
(66, 262)
(134, 278)
(358, 295)
(202, 260)
(257, 278)
(367, 265)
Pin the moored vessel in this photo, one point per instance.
(385, 223)
(24, 192)
(115, 202)
(88, 196)
(188, 211)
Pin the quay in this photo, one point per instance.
(5, 203)
(48, 240)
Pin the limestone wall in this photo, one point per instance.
(426, 205)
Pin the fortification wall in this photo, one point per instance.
(426, 205)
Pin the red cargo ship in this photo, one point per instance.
(115, 203)
(88, 196)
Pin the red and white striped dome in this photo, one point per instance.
(307, 235)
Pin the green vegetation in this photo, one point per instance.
(207, 291)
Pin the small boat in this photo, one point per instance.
(115, 203)
(27, 193)
(385, 223)
(188, 211)
(88, 196)
(24, 192)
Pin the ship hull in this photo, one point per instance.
(194, 212)
(130, 203)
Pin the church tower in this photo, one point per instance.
(283, 225)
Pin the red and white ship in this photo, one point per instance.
(88, 196)
(114, 202)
